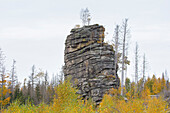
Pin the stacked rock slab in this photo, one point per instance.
(90, 62)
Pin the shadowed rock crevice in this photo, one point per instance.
(90, 62)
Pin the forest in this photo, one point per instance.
(42, 96)
(59, 95)
(33, 32)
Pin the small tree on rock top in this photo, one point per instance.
(85, 16)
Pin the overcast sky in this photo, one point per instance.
(33, 32)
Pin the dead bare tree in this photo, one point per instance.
(116, 48)
(32, 80)
(13, 78)
(166, 75)
(2, 60)
(46, 80)
(144, 69)
(46, 95)
(126, 58)
(61, 75)
(125, 31)
(136, 62)
(24, 91)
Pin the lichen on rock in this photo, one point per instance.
(90, 62)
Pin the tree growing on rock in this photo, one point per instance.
(85, 16)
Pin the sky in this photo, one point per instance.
(33, 32)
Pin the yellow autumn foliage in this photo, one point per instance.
(67, 101)
(156, 105)
(153, 105)
(4, 92)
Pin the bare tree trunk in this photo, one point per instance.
(123, 54)
(136, 65)
(13, 79)
(144, 67)
(45, 98)
(116, 48)
(32, 81)
(126, 67)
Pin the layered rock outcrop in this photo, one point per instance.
(90, 62)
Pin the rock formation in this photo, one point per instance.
(90, 62)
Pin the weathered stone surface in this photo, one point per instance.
(90, 62)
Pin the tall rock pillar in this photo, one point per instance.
(90, 62)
